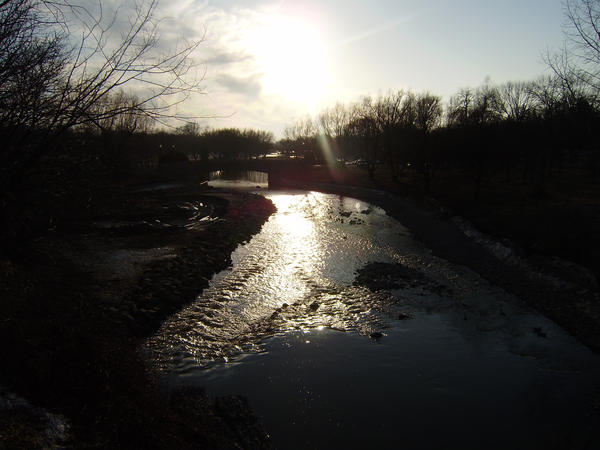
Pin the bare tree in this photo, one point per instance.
(428, 116)
(363, 129)
(516, 101)
(475, 107)
(332, 123)
(487, 105)
(115, 131)
(104, 58)
(583, 40)
(387, 112)
(118, 112)
(461, 107)
(189, 129)
(32, 58)
(301, 137)
(428, 112)
(62, 64)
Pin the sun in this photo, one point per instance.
(292, 58)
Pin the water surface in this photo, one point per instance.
(443, 359)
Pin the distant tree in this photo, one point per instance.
(115, 130)
(460, 108)
(302, 137)
(332, 124)
(387, 113)
(256, 143)
(118, 112)
(428, 116)
(364, 130)
(189, 129)
(476, 113)
(234, 143)
(516, 101)
(428, 112)
(188, 141)
(487, 107)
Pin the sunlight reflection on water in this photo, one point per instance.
(467, 355)
(296, 273)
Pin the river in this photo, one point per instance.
(345, 332)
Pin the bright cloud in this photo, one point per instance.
(265, 63)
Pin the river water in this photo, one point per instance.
(344, 332)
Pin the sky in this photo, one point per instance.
(268, 63)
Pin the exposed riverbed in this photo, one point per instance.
(344, 331)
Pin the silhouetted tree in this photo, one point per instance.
(32, 57)
(64, 67)
(428, 116)
(302, 138)
(582, 53)
(460, 108)
(332, 124)
(61, 65)
(363, 129)
(387, 113)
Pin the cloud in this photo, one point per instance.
(224, 57)
(247, 86)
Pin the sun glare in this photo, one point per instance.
(293, 223)
(292, 57)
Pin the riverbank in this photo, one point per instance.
(83, 295)
(560, 221)
(78, 300)
(563, 291)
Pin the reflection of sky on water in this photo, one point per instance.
(238, 179)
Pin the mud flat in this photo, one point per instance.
(78, 300)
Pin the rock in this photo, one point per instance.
(376, 335)
(314, 306)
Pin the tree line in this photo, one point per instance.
(535, 126)
(223, 143)
(122, 149)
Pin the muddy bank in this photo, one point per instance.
(564, 292)
(79, 299)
